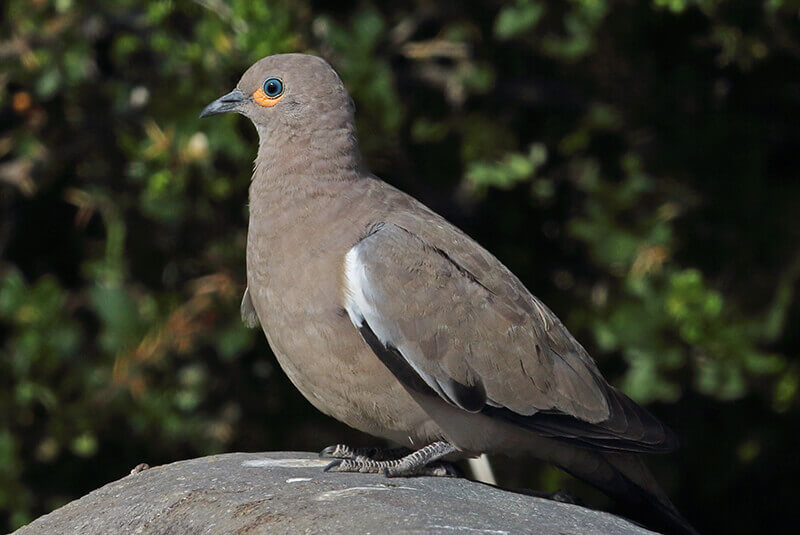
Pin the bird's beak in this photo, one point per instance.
(224, 104)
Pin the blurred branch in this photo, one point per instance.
(436, 49)
(18, 174)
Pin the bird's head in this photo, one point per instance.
(292, 90)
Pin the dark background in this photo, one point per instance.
(634, 162)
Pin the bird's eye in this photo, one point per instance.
(273, 87)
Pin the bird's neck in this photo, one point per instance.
(319, 153)
(300, 175)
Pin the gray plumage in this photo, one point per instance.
(390, 319)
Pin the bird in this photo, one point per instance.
(388, 318)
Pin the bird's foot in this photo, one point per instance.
(435, 469)
(343, 451)
(423, 462)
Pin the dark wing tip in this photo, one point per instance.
(629, 427)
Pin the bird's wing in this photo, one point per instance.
(478, 339)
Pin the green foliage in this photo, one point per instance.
(631, 161)
(518, 19)
(508, 172)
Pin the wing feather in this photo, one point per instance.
(474, 336)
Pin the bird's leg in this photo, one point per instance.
(419, 463)
(343, 451)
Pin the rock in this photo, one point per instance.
(254, 493)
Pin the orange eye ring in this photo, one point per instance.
(262, 99)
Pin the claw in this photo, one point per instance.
(333, 464)
(339, 451)
(327, 452)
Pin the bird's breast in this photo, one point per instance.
(295, 282)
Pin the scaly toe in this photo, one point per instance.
(400, 471)
(333, 464)
(338, 451)
(359, 464)
(441, 469)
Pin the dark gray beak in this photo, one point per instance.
(224, 104)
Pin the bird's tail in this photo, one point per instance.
(626, 478)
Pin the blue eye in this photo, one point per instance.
(273, 87)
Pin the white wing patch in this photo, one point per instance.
(359, 304)
(354, 281)
(360, 299)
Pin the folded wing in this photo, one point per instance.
(449, 319)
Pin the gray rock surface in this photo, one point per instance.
(254, 493)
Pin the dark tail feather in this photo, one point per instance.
(625, 478)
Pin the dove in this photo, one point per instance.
(390, 319)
